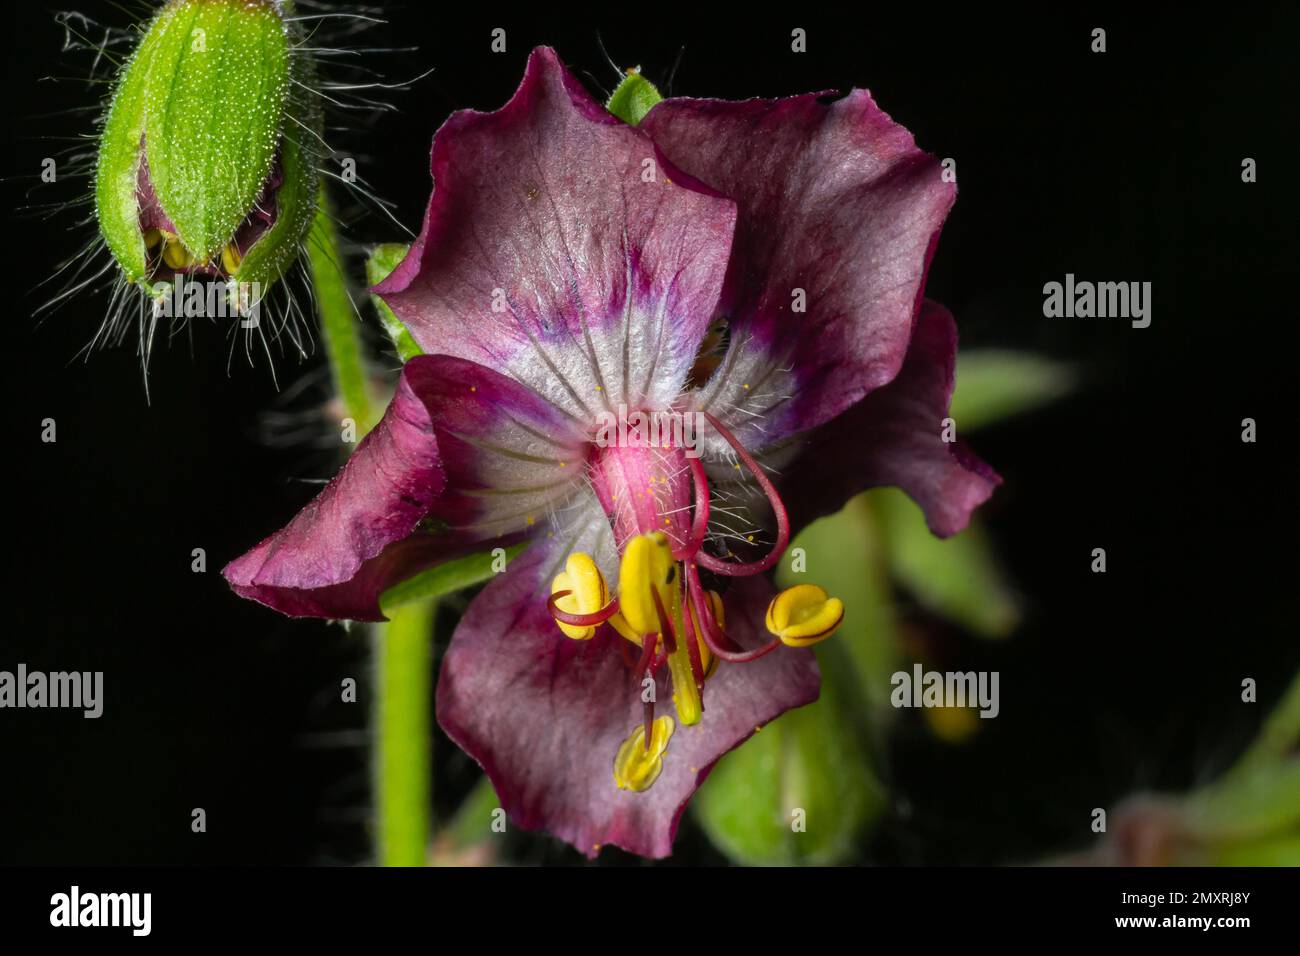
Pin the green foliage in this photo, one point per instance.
(993, 384)
(799, 792)
(959, 578)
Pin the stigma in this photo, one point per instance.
(667, 623)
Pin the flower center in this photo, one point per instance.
(654, 489)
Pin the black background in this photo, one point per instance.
(1117, 166)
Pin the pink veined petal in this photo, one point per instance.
(561, 249)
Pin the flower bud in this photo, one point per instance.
(206, 161)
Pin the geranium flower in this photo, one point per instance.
(573, 271)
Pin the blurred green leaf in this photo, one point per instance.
(1257, 802)
(444, 579)
(804, 771)
(993, 384)
(383, 259)
(844, 553)
(959, 578)
(1278, 851)
(815, 759)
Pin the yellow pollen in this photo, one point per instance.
(588, 593)
(636, 766)
(803, 615)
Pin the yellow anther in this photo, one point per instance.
(176, 255)
(587, 593)
(152, 237)
(637, 766)
(803, 615)
(647, 567)
(231, 259)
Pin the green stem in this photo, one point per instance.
(404, 744)
(338, 317)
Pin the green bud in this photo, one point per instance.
(207, 160)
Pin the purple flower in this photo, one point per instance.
(741, 284)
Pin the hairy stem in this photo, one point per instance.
(338, 318)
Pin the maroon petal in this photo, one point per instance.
(460, 443)
(545, 715)
(895, 437)
(559, 248)
(835, 200)
(312, 566)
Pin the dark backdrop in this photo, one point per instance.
(1119, 166)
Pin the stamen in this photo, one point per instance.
(693, 649)
(646, 668)
(562, 617)
(176, 255)
(681, 667)
(647, 654)
(579, 598)
(803, 615)
(717, 565)
(640, 758)
(647, 567)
